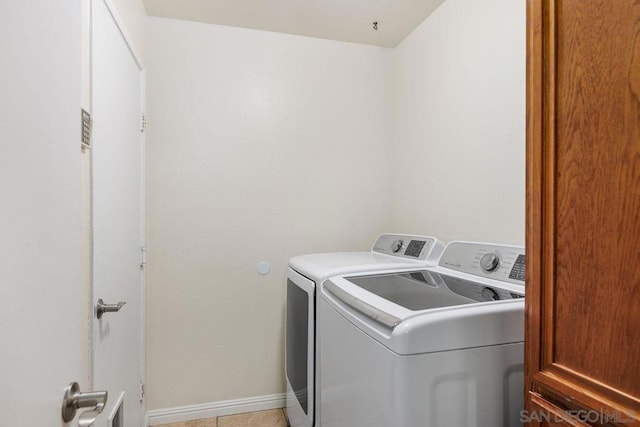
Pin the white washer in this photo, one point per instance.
(390, 251)
(437, 347)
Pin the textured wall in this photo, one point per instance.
(261, 146)
(459, 120)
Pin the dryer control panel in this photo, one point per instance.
(498, 262)
(419, 248)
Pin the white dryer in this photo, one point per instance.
(389, 252)
(437, 347)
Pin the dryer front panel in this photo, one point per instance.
(300, 348)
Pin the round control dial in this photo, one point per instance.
(490, 295)
(397, 245)
(489, 262)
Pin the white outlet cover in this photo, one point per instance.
(264, 267)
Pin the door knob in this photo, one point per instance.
(73, 400)
(102, 308)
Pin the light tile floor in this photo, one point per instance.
(270, 418)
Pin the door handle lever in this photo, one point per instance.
(74, 400)
(102, 308)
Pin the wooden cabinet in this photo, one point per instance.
(583, 212)
(555, 416)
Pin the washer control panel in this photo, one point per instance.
(517, 272)
(421, 248)
(499, 262)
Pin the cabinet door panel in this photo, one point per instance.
(597, 197)
(583, 205)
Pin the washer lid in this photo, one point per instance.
(390, 251)
(420, 290)
(319, 267)
(414, 312)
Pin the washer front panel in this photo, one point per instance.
(366, 384)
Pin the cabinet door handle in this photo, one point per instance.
(557, 415)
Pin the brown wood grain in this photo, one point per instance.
(597, 233)
(533, 242)
(554, 415)
(583, 205)
(579, 391)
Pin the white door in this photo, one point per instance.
(117, 162)
(43, 314)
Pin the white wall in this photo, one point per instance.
(459, 119)
(261, 146)
(134, 16)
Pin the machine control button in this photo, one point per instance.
(489, 262)
(397, 245)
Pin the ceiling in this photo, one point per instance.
(346, 20)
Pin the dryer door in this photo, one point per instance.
(300, 349)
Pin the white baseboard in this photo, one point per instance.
(215, 409)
